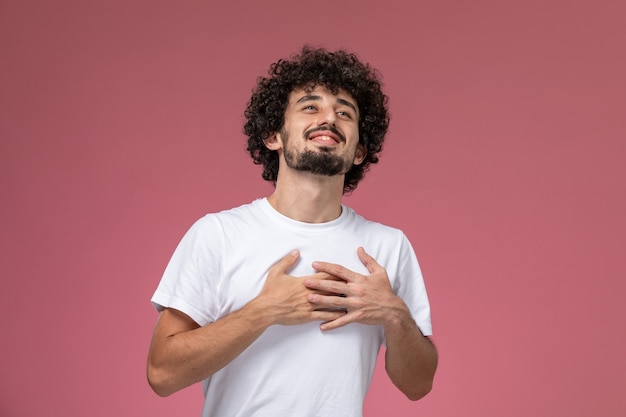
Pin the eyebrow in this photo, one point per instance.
(310, 97)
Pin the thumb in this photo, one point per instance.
(288, 261)
(367, 260)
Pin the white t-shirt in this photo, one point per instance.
(292, 371)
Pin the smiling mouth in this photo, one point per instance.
(325, 135)
(324, 139)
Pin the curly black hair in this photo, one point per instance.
(311, 67)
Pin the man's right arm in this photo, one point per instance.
(183, 353)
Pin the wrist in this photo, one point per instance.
(259, 313)
(398, 317)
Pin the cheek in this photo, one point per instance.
(294, 128)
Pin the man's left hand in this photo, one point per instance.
(367, 299)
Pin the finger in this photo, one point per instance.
(336, 323)
(335, 270)
(334, 301)
(313, 281)
(287, 262)
(327, 315)
(327, 286)
(320, 276)
(367, 260)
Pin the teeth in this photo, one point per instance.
(323, 138)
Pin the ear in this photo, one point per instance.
(273, 142)
(360, 154)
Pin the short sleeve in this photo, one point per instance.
(191, 277)
(411, 288)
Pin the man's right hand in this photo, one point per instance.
(183, 353)
(284, 297)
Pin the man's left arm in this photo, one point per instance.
(411, 357)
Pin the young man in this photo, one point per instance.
(280, 306)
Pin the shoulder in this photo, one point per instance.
(218, 226)
(372, 226)
(240, 213)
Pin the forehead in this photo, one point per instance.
(323, 93)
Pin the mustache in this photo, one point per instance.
(332, 129)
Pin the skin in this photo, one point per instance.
(183, 353)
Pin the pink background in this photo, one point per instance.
(121, 125)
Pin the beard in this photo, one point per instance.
(322, 162)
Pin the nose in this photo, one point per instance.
(327, 117)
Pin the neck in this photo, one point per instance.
(309, 199)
